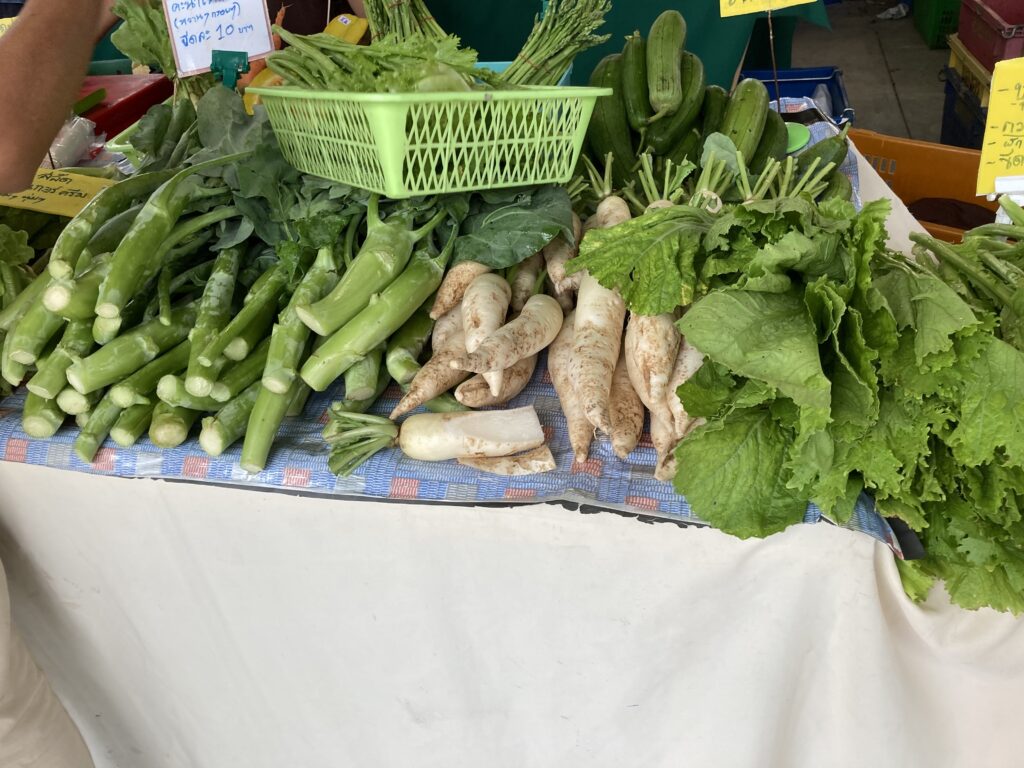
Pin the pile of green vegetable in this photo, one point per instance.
(190, 291)
(663, 107)
(26, 238)
(834, 367)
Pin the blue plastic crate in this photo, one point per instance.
(963, 117)
(801, 83)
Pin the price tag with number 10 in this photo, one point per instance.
(200, 27)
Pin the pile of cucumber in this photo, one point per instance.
(662, 105)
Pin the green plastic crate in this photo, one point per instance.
(936, 19)
(408, 144)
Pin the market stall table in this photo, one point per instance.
(193, 624)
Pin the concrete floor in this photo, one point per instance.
(892, 78)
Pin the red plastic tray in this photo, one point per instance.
(992, 30)
(128, 98)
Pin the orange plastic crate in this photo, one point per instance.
(920, 169)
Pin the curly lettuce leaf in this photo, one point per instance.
(768, 337)
(731, 473)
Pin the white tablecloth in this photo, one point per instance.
(212, 628)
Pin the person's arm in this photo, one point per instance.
(44, 57)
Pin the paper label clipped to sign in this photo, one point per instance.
(1002, 153)
(200, 27)
(740, 7)
(57, 192)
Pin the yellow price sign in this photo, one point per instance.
(1002, 153)
(57, 192)
(740, 7)
(5, 24)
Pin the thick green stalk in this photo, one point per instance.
(129, 352)
(101, 419)
(361, 379)
(132, 424)
(32, 333)
(76, 299)
(107, 204)
(127, 276)
(51, 376)
(149, 232)
(362, 406)
(12, 313)
(40, 417)
(384, 254)
(73, 402)
(267, 414)
(170, 425)
(105, 329)
(243, 373)
(406, 346)
(229, 423)
(1012, 210)
(138, 388)
(289, 336)
(12, 371)
(255, 332)
(82, 419)
(266, 295)
(374, 324)
(214, 313)
(163, 295)
(110, 234)
(964, 266)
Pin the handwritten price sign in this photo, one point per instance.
(1002, 154)
(57, 192)
(740, 7)
(200, 27)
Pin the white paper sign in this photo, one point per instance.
(200, 27)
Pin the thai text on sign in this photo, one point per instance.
(1002, 153)
(57, 192)
(200, 27)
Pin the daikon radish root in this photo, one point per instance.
(529, 463)
(533, 330)
(484, 308)
(458, 279)
(442, 436)
(447, 326)
(665, 441)
(524, 281)
(581, 433)
(476, 392)
(627, 411)
(437, 376)
(597, 336)
(565, 299)
(651, 347)
(688, 362)
(558, 252)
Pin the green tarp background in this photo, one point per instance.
(498, 29)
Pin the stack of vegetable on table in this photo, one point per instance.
(690, 270)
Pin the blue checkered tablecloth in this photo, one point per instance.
(299, 463)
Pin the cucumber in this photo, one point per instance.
(831, 150)
(773, 144)
(634, 82)
(663, 135)
(609, 127)
(665, 43)
(687, 149)
(745, 115)
(839, 186)
(713, 109)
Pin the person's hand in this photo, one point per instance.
(106, 20)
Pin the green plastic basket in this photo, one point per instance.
(935, 19)
(409, 144)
